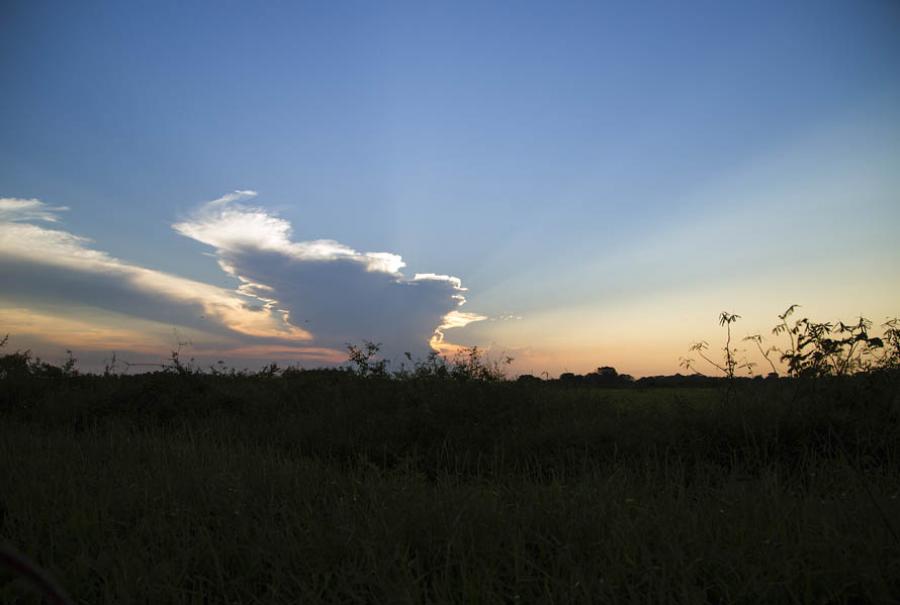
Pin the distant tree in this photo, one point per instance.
(607, 376)
(528, 379)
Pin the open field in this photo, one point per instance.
(468, 303)
(326, 487)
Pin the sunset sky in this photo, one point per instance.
(571, 184)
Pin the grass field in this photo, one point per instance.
(323, 487)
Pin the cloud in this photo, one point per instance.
(234, 196)
(17, 209)
(339, 294)
(297, 299)
(44, 268)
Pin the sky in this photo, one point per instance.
(569, 184)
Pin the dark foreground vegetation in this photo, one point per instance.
(182, 486)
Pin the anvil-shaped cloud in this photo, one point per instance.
(303, 297)
(338, 294)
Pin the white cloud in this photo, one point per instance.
(230, 227)
(17, 209)
(234, 196)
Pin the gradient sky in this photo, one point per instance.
(601, 178)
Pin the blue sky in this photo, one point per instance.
(571, 163)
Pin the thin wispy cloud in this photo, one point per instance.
(234, 196)
(14, 209)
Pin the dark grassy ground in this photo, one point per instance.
(325, 487)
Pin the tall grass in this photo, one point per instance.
(330, 487)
